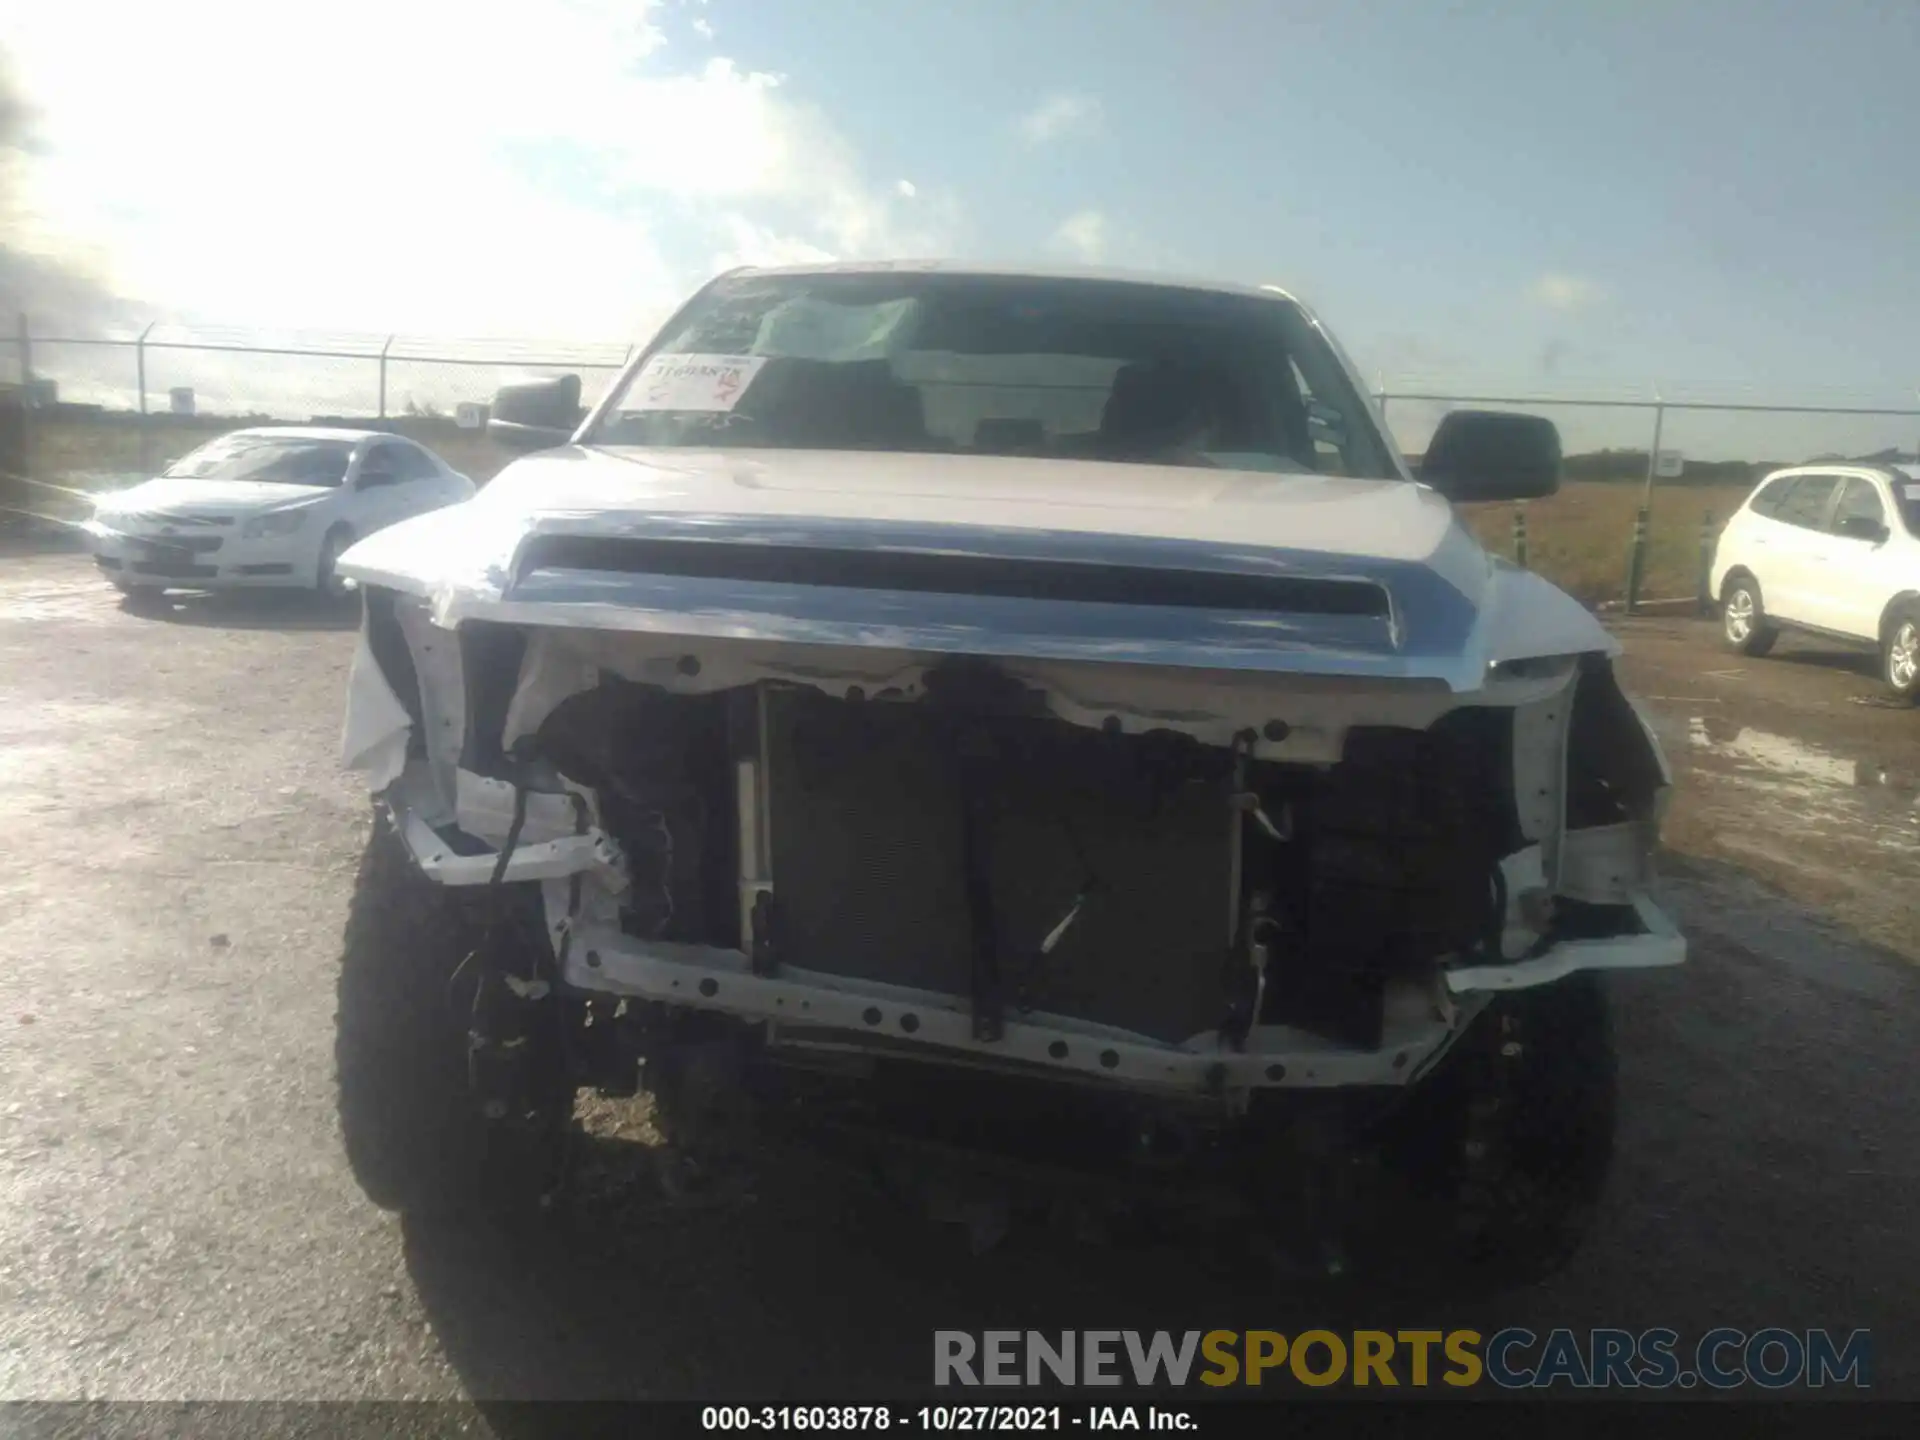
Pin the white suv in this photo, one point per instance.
(1833, 550)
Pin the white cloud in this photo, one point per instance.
(1085, 235)
(905, 189)
(475, 171)
(1564, 292)
(750, 244)
(703, 28)
(1060, 116)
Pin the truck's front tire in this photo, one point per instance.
(415, 1136)
(1503, 1152)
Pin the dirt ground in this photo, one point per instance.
(176, 1219)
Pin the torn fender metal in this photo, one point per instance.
(555, 840)
(1607, 864)
(374, 735)
(377, 734)
(593, 853)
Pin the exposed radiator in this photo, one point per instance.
(868, 804)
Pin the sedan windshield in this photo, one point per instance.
(272, 459)
(990, 365)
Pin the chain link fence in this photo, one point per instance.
(103, 411)
(1650, 479)
(107, 410)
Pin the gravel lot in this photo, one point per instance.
(176, 1219)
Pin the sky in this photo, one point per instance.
(1704, 198)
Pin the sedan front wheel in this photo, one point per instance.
(329, 581)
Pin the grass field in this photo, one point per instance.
(1577, 538)
(1580, 537)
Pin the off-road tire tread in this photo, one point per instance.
(415, 1139)
(1508, 1153)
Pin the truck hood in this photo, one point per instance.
(1143, 564)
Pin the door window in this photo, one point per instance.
(413, 463)
(381, 465)
(1859, 515)
(1806, 504)
(1767, 501)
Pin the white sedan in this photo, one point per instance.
(273, 506)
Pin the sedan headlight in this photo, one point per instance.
(274, 522)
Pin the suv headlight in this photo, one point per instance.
(274, 522)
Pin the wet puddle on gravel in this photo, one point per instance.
(1803, 803)
(1799, 760)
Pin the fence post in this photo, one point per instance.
(1704, 595)
(1520, 535)
(383, 376)
(140, 380)
(1637, 555)
(26, 397)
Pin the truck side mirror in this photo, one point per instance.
(535, 414)
(1479, 455)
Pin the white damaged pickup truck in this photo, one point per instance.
(1029, 730)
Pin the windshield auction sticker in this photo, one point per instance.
(693, 382)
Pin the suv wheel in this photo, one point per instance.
(415, 1136)
(1501, 1155)
(1743, 620)
(1900, 653)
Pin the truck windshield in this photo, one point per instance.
(992, 365)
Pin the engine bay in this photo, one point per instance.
(1190, 882)
(968, 843)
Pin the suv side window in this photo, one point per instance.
(1767, 502)
(1859, 501)
(1806, 506)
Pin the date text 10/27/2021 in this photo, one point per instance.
(945, 1419)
